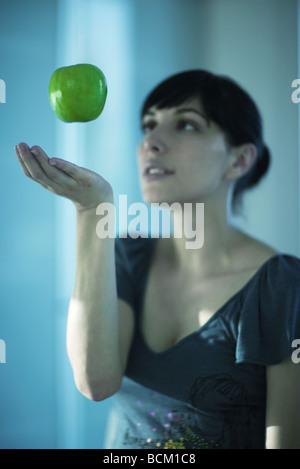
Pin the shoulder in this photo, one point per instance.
(279, 280)
(275, 264)
(256, 255)
(270, 314)
(276, 276)
(253, 253)
(277, 272)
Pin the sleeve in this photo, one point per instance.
(124, 273)
(270, 314)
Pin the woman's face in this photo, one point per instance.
(183, 157)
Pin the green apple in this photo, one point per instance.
(77, 93)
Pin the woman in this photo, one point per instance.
(195, 344)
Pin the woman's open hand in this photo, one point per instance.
(85, 188)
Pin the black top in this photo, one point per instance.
(209, 390)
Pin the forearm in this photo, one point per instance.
(93, 342)
(282, 409)
(283, 438)
(93, 322)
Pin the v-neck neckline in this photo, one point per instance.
(204, 326)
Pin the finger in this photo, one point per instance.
(29, 161)
(25, 170)
(71, 169)
(34, 167)
(23, 166)
(52, 171)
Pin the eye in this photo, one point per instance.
(147, 126)
(187, 126)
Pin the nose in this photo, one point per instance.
(153, 143)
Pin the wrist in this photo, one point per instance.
(92, 207)
(96, 222)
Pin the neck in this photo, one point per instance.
(214, 237)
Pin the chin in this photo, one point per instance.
(155, 198)
(152, 200)
(159, 196)
(161, 200)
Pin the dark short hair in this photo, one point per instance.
(226, 104)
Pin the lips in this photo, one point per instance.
(156, 169)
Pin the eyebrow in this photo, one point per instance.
(183, 110)
(189, 109)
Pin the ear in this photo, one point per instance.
(240, 161)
